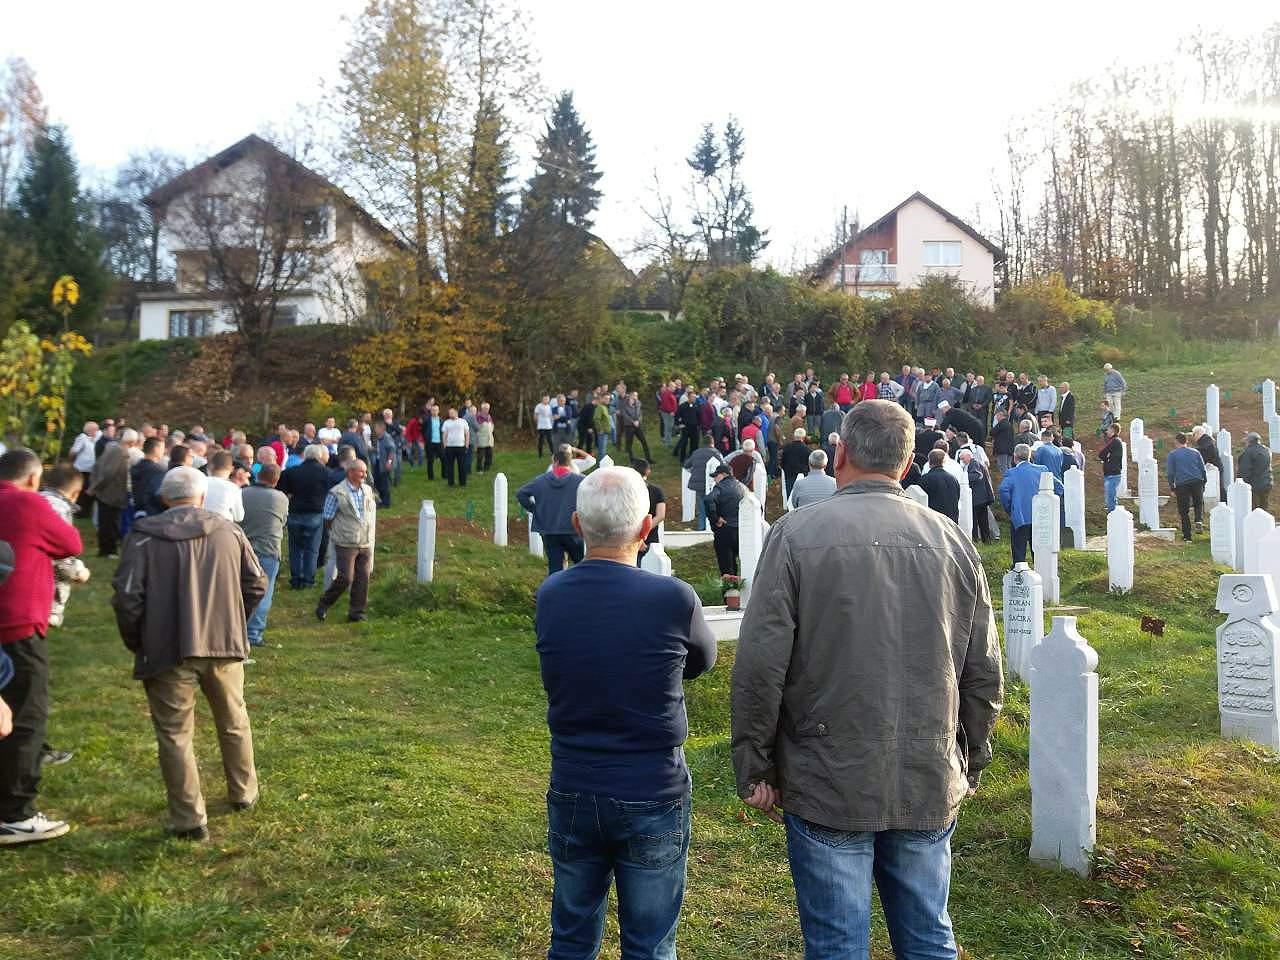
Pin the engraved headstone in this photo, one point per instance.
(1046, 536)
(1248, 646)
(1212, 486)
(1123, 490)
(1136, 431)
(427, 541)
(1120, 550)
(1064, 748)
(1224, 454)
(1149, 493)
(1222, 534)
(535, 540)
(500, 510)
(1023, 618)
(1268, 398)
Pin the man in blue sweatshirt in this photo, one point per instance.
(552, 497)
(615, 644)
(1185, 468)
(1017, 489)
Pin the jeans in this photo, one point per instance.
(668, 427)
(1019, 541)
(644, 844)
(1110, 487)
(557, 546)
(602, 445)
(382, 483)
(305, 530)
(833, 870)
(258, 619)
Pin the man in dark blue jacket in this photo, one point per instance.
(551, 498)
(615, 644)
(1187, 477)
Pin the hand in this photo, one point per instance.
(6, 719)
(764, 797)
(720, 522)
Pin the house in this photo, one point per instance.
(914, 240)
(227, 210)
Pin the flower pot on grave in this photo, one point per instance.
(733, 600)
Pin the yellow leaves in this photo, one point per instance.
(35, 376)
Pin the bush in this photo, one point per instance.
(1046, 313)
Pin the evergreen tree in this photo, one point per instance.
(486, 199)
(564, 187)
(723, 210)
(57, 223)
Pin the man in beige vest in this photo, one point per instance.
(350, 517)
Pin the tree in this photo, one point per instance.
(722, 207)
(676, 249)
(22, 116)
(130, 231)
(563, 189)
(57, 223)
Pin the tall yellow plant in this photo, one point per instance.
(35, 376)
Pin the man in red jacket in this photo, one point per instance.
(38, 537)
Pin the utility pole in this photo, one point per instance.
(844, 240)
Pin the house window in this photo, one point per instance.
(873, 266)
(213, 208)
(874, 294)
(942, 253)
(190, 323)
(286, 315)
(315, 223)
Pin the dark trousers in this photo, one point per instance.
(108, 529)
(434, 452)
(86, 498)
(1019, 542)
(546, 435)
(631, 434)
(382, 483)
(557, 546)
(1260, 498)
(352, 571)
(981, 522)
(455, 458)
(687, 443)
(484, 458)
(725, 539)
(1190, 498)
(28, 697)
(305, 533)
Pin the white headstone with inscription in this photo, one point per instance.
(1240, 500)
(500, 510)
(1256, 526)
(751, 531)
(1222, 535)
(1144, 449)
(1136, 431)
(427, 541)
(1073, 504)
(965, 517)
(1023, 618)
(688, 503)
(1120, 550)
(1211, 406)
(1064, 748)
(1149, 493)
(1212, 486)
(1248, 647)
(655, 560)
(1046, 536)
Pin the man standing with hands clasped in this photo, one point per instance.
(865, 710)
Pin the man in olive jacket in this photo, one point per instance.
(187, 580)
(863, 706)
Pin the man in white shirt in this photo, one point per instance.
(329, 434)
(82, 458)
(543, 415)
(453, 434)
(223, 496)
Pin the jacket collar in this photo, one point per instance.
(871, 486)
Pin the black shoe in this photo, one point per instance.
(240, 806)
(321, 613)
(195, 834)
(358, 618)
(55, 758)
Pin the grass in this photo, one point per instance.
(403, 764)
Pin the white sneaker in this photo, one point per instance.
(38, 827)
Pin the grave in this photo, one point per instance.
(655, 560)
(679, 539)
(965, 516)
(427, 541)
(1123, 490)
(1247, 648)
(1073, 489)
(1256, 526)
(1224, 454)
(535, 540)
(725, 624)
(1240, 500)
(1212, 487)
(1120, 550)
(1273, 434)
(1268, 399)
(760, 483)
(1222, 534)
(1023, 618)
(1143, 449)
(500, 510)
(605, 461)
(751, 531)
(916, 493)
(1046, 536)
(1148, 493)
(1136, 430)
(1064, 748)
(688, 505)
(1211, 407)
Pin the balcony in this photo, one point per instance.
(859, 273)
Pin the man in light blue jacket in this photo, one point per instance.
(1017, 489)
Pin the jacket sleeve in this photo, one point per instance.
(59, 539)
(130, 591)
(763, 659)
(1006, 492)
(981, 680)
(701, 655)
(253, 582)
(524, 496)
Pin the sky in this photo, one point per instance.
(844, 105)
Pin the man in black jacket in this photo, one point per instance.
(306, 486)
(1067, 410)
(978, 399)
(1254, 468)
(942, 488)
(145, 478)
(722, 514)
(1002, 441)
(794, 460)
(1209, 452)
(961, 421)
(687, 417)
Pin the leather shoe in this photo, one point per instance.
(321, 613)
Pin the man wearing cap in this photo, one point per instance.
(795, 460)
(1254, 468)
(722, 513)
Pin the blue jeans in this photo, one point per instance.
(644, 845)
(305, 530)
(258, 619)
(832, 871)
(602, 445)
(1110, 486)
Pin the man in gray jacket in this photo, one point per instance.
(863, 706)
(1113, 388)
(629, 421)
(1254, 468)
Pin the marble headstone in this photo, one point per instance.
(1257, 525)
(1123, 489)
(655, 560)
(1212, 486)
(688, 503)
(1248, 647)
(500, 509)
(1073, 489)
(1023, 618)
(1136, 431)
(605, 462)
(427, 541)
(1211, 406)
(751, 532)
(1046, 536)
(1120, 550)
(1225, 455)
(1268, 398)
(535, 540)
(759, 482)
(965, 517)
(1222, 535)
(1240, 500)
(1149, 493)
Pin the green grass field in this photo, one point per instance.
(403, 764)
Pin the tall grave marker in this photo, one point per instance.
(1046, 536)
(500, 510)
(1248, 646)
(1120, 550)
(1023, 618)
(1073, 488)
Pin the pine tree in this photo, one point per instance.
(57, 223)
(486, 199)
(564, 187)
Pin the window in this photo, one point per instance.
(874, 294)
(213, 208)
(873, 266)
(315, 223)
(190, 323)
(286, 315)
(942, 253)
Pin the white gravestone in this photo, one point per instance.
(1273, 433)
(500, 510)
(1136, 431)
(1123, 490)
(1222, 535)
(1046, 536)
(1120, 550)
(1073, 489)
(1144, 449)
(1212, 486)
(1224, 454)
(1240, 500)
(1269, 555)
(965, 516)
(655, 560)
(1248, 645)
(750, 540)
(535, 541)
(688, 504)
(427, 541)
(1023, 618)
(605, 462)
(916, 493)
(1064, 748)
(1268, 398)
(1256, 526)
(759, 482)
(1211, 406)
(1149, 494)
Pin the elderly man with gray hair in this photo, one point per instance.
(109, 486)
(815, 485)
(187, 581)
(863, 706)
(620, 794)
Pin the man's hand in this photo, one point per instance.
(764, 797)
(720, 521)
(6, 720)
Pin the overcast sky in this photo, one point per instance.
(857, 104)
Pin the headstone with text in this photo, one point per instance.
(1248, 647)
(1023, 618)
(1120, 550)
(1212, 486)
(1149, 493)
(1046, 536)
(751, 530)
(1136, 431)
(1268, 399)
(1224, 454)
